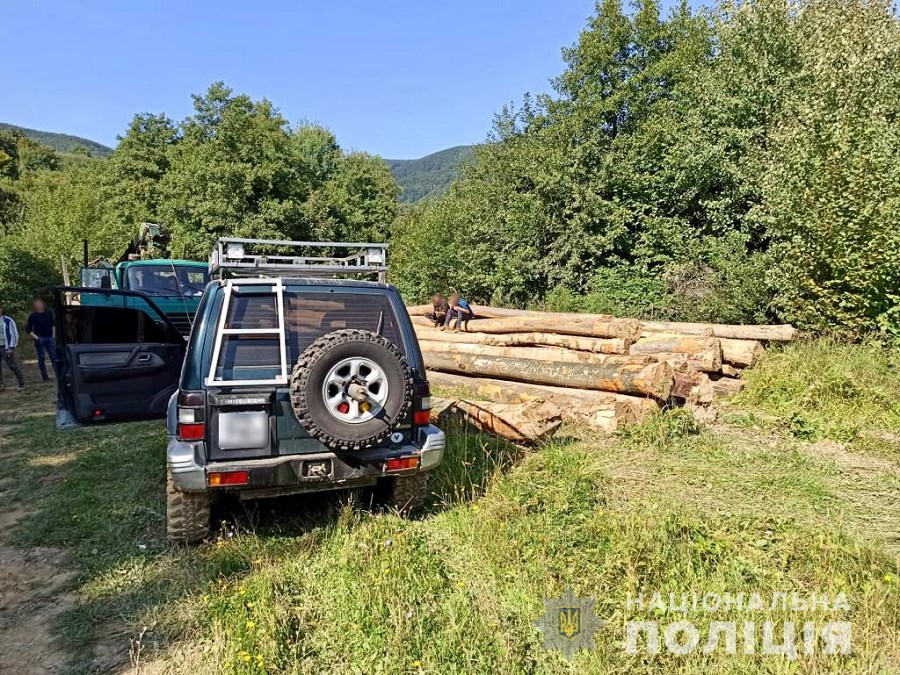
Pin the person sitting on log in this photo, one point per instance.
(460, 310)
(439, 309)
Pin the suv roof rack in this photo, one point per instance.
(254, 257)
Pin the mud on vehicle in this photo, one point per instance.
(295, 379)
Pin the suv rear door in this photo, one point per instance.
(121, 357)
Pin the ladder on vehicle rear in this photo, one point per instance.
(223, 331)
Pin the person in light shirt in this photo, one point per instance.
(9, 340)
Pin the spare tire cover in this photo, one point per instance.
(351, 388)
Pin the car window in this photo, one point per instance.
(114, 318)
(167, 279)
(308, 316)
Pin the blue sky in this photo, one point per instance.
(400, 78)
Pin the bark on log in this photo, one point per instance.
(707, 362)
(693, 387)
(601, 328)
(654, 379)
(535, 353)
(782, 333)
(603, 411)
(726, 386)
(676, 344)
(744, 353)
(730, 370)
(527, 423)
(480, 311)
(489, 312)
(582, 344)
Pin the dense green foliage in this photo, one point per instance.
(741, 165)
(235, 167)
(429, 176)
(738, 165)
(63, 143)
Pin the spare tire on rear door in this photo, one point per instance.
(350, 389)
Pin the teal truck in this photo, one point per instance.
(175, 286)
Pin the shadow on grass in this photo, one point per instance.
(99, 494)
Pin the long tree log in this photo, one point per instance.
(773, 333)
(601, 410)
(489, 312)
(676, 344)
(741, 353)
(480, 311)
(582, 344)
(708, 362)
(654, 379)
(601, 328)
(530, 422)
(536, 353)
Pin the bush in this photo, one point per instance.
(23, 276)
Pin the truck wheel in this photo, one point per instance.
(406, 494)
(187, 514)
(350, 389)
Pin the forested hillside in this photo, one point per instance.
(740, 165)
(61, 142)
(429, 176)
(737, 165)
(234, 167)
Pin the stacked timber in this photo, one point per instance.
(600, 370)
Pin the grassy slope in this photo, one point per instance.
(777, 497)
(428, 176)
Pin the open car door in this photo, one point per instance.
(120, 356)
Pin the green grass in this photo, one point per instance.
(324, 585)
(827, 389)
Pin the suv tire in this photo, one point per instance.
(187, 514)
(406, 494)
(318, 363)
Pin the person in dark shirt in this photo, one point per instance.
(42, 328)
(460, 310)
(439, 309)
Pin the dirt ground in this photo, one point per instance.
(36, 581)
(33, 594)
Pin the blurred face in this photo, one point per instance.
(436, 299)
(454, 298)
(39, 306)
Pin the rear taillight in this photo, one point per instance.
(421, 404)
(223, 478)
(191, 416)
(401, 464)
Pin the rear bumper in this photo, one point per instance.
(301, 473)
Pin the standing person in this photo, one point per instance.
(460, 310)
(42, 328)
(439, 309)
(9, 340)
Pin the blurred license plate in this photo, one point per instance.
(243, 430)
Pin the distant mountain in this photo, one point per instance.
(429, 176)
(61, 142)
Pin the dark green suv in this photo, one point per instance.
(290, 384)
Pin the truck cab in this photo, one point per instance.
(174, 285)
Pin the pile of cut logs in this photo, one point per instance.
(604, 371)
